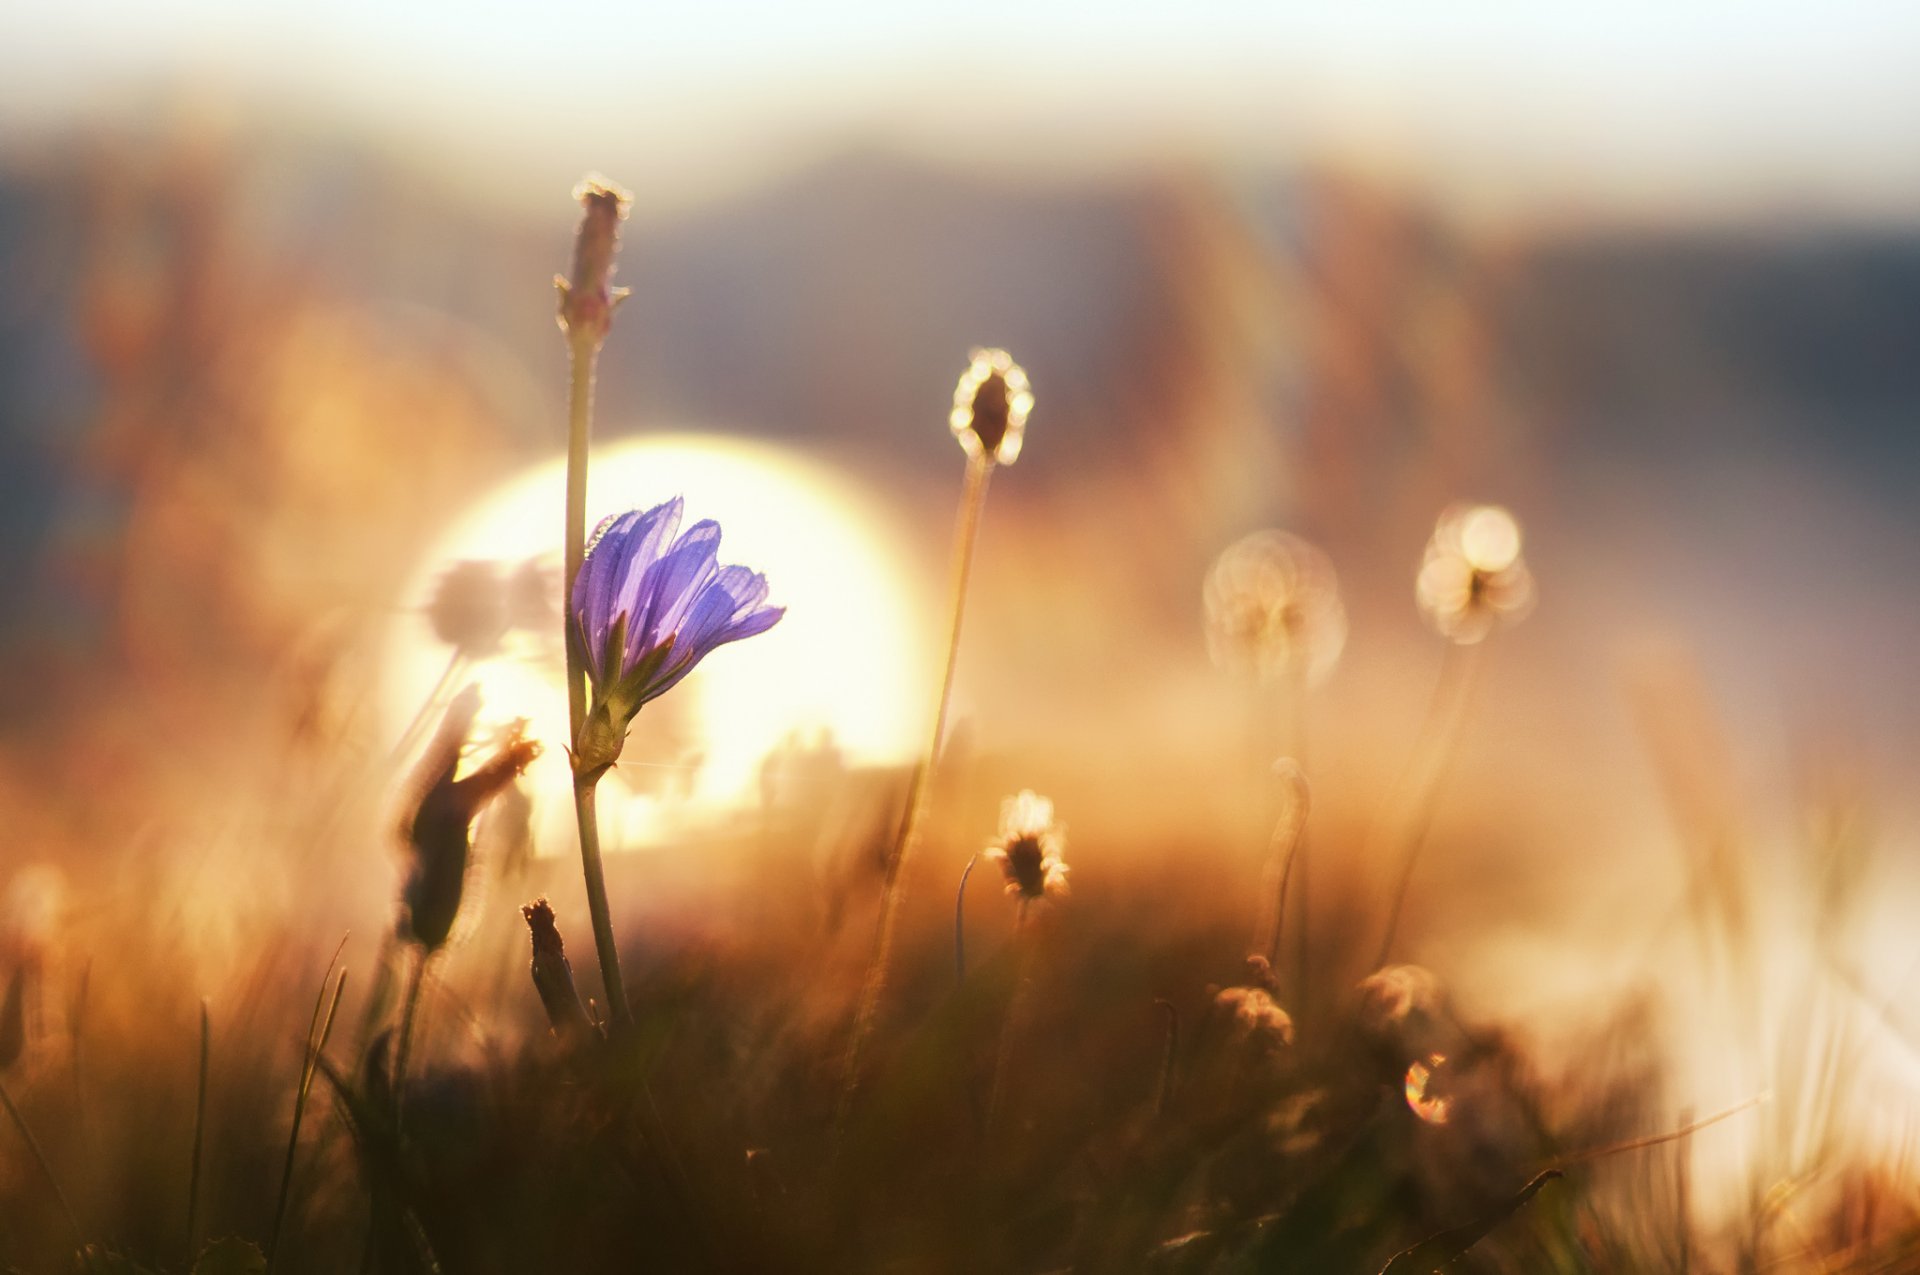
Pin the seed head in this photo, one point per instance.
(1473, 579)
(1273, 609)
(468, 608)
(990, 407)
(553, 974)
(1029, 847)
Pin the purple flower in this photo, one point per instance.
(647, 607)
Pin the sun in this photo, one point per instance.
(845, 671)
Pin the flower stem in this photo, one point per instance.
(583, 352)
(403, 1052)
(1016, 1014)
(199, 1134)
(973, 495)
(1169, 1057)
(619, 1012)
(1438, 735)
(319, 1030)
(46, 1167)
(960, 923)
(1283, 851)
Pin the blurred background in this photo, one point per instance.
(277, 341)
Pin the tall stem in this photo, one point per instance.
(1432, 755)
(403, 1052)
(199, 1134)
(584, 348)
(973, 495)
(583, 352)
(1283, 852)
(620, 1013)
(1016, 1013)
(960, 923)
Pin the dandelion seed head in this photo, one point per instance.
(990, 407)
(1273, 609)
(1029, 847)
(468, 609)
(1472, 578)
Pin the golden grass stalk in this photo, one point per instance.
(315, 1046)
(989, 417)
(199, 1134)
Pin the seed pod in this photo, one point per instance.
(553, 975)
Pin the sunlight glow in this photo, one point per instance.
(842, 669)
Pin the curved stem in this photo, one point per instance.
(620, 1014)
(310, 1064)
(960, 923)
(973, 495)
(1432, 755)
(1283, 851)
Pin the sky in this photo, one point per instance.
(1504, 107)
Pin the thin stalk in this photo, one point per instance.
(309, 1064)
(1686, 1130)
(1283, 850)
(46, 1168)
(1682, 1177)
(1016, 1013)
(199, 1134)
(1299, 860)
(973, 495)
(584, 349)
(1169, 1057)
(620, 1013)
(76, 1018)
(403, 1052)
(960, 923)
(583, 352)
(1428, 766)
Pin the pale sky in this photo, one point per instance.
(1508, 104)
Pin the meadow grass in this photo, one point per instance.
(1127, 1077)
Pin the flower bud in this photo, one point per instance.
(553, 975)
(587, 297)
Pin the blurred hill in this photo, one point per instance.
(1225, 348)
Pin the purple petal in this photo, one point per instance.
(747, 626)
(620, 546)
(731, 591)
(686, 658)
(666, 588)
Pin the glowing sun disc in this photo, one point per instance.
(845, 667)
